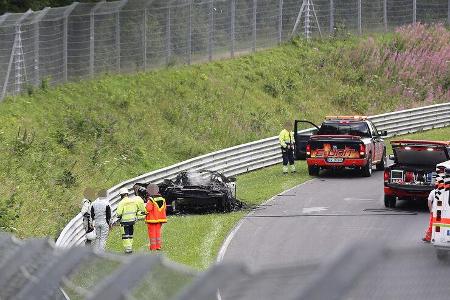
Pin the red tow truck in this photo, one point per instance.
(343, 142)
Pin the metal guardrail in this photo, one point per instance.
(259, 154)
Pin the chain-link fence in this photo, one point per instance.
(55, 45)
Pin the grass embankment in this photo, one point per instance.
(56, 141)
(196, 240)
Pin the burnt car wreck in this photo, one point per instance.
(198, 191)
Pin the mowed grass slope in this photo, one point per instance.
(55, 142)
(196, 240)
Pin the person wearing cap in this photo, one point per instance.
(128, 211)
(89, 195)
(438, 187)
(287, 142)
(156, 216)
(101, 216)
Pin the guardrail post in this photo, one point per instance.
(232, 26)
(254, 25)
(385, 21)
(280, 21)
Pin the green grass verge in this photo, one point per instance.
(195, 240)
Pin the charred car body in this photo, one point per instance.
(411, 177)
(342, 142)
(200, 190)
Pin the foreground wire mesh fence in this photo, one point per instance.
(34, 269)
(55, 45)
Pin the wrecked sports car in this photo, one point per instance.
(202, 190)
(196, 191)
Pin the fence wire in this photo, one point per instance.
(79, 41)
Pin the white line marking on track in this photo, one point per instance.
(233, 232)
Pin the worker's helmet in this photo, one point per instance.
(123, 191)
(152, 189)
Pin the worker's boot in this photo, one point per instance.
(293, 169)
(285, 169)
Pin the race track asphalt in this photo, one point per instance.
(308, 225)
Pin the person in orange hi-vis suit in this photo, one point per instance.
(156, 216)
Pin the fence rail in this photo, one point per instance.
(78, 41)
(255, 155)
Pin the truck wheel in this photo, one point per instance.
(390, 201)
(441, 254)
(367, 169)
(380, 166)
(313, 171)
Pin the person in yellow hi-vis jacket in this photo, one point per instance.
(287, 143)
(128, 212)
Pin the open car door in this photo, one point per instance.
(301, 139)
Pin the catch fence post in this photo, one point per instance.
(232, 26)
(189, 38)
(331, 16)
(117, 29)
(359, 17)
(385, 21)
(254, 25)
(168, 37)
(448, 12)
(65, 38)
(144, 39)
(280, 21)
(210, 29)
(92, 38)
(414, 11)
(36, 34)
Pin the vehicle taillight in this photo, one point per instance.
(308, 149)
(409, 176)
(362, 150)
(387, 173)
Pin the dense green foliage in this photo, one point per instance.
(55, 142)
